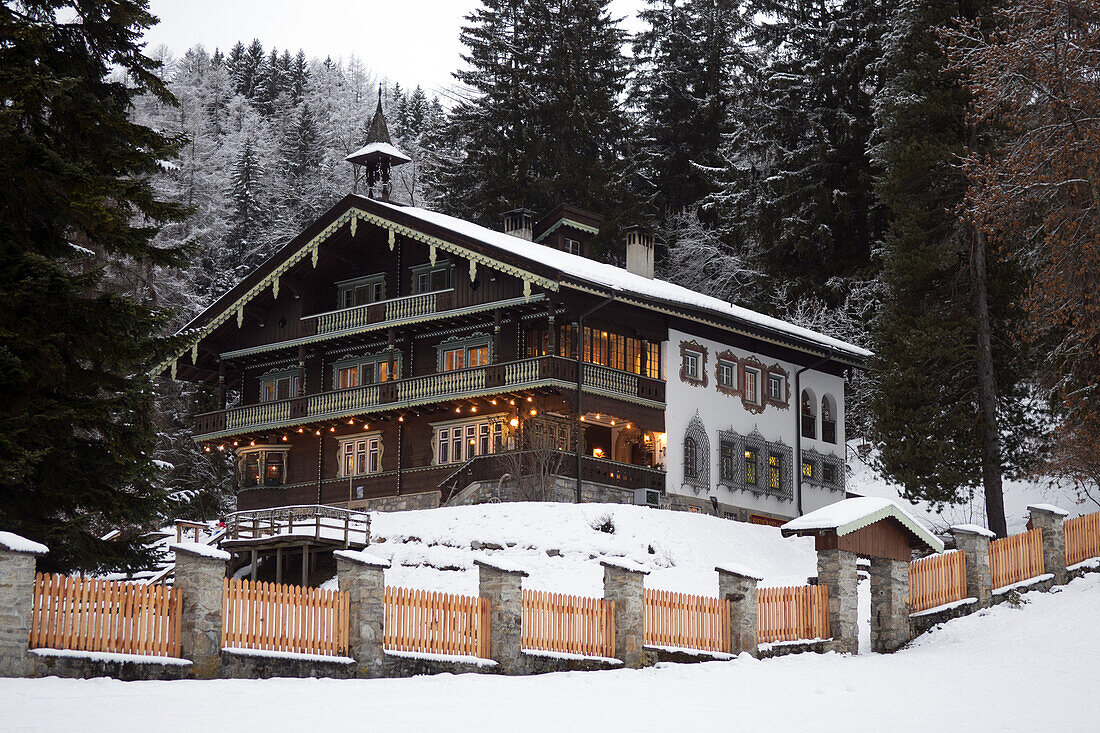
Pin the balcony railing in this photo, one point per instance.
(316, 522)
(408, 306)
(489, 379)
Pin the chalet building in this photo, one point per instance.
(390, 357)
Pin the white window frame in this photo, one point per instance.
(776, 379)
(426, 271)
(376, 285)
(572, 246)
(357, 363)
(362, 452)
(272, 379)
(692, 358)
(263, 452)
(457, 441)
(752, 385)
(464, 346)
(727, 367)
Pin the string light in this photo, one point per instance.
(221, 447)
(235, 444)
(207, 449)
(514, 422)
(494, 401)
(301, 430)
(318, 433)
(366, 427)
(401, 419)
(252, 442)
(612, 423)
(582, 418)
(458, 410)
(284, 438)
(534, 412)
(512, 403)
(332, 429)
(350, 421)
(473, 409)
(530, 399)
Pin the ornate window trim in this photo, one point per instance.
(812, 459)
(496, 426)
(372, 436)
(701, 351)
(352, 360)
(274, 376)
(476, 339)
(263, 451)
(343, 286)
(839, 472)
(734, 478)
(751, 362)
(728, 357)
(777, 371)
(696, 434)
(761, 450)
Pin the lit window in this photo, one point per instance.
(454, 359)
(727, 374)
(354, 373)
(775, 464)
(807, 470)
(349, 377)
(750, 467)
(361, 455)
(278, 387)
(752, 385)
(457, 443)
(477, 356)
(261, 466)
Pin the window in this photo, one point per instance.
(262, 466)
(828, 474)
(752, 385)
(279, 386)
(601, 347)
(464, 354)
(775, 467)
(459, 442)
(690, 364)
(572, 246)
(808, 419)
(428, 278)
(750, 467)
(726, 452)
(691, 469)
(727, 374)
(361, 291)
(354, 372)
(361, 455)
(775, 387)
(348, 377)
(808, 470)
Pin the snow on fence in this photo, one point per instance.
(1016, 558)
(105, 616)
(936, 580)
(792, 613)
(436, 623)
(284, 618)
(1082, 538)
(554, 622)
(681, 620)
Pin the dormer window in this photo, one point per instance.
(361, 290)
(430, 278)
(572, 246)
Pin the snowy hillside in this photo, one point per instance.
(561, 545)
(1007, 669)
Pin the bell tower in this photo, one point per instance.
(377, 157)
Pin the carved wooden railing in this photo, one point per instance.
(311, 520)
(407, 306)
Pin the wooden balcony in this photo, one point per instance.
(314, 523)
(393, 309)
(535, 372)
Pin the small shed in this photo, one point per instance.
(868, 526)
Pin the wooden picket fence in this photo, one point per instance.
(284, 618)
(682, 620)
(555, 622)
(1082, 538)
(436, 623)
(105, 616)
(792, 613)
(1016, 558)
(936, 580)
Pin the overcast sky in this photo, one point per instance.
(408, 41)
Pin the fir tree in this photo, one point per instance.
(246, 221)
(76, 207)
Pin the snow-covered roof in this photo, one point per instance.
(196, 548)
(1048, 508)
(363, 558)
(624, 563)
(619, 279)
(849, 515)
(738, 569)
(14, 543)
(499, 563)
(384, 148)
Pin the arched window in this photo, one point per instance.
(696, 456)
(828, 418)
(809, 420)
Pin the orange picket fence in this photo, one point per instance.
(436, 623)
(936, 580)
(555, 622)
(681, 620)
(284, 618)
(1082, 538)
(1016, 558)
(105, 616)
(792, 613)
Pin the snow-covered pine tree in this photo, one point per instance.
(246, 219)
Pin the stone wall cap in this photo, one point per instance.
(624, 563)
(1047, 508)
(14, 543)
(200, 550)
(362, 557)
(735, 569)
(499, 564)
(973, 529)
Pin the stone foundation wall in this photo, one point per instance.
(85, 668)
(563, 491)
(400, 503)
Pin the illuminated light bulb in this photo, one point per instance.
(612, 422)
(350, 421)
(235, 444)
(401, 419)
(221, 447)
(628, 425)
(514, 422)
(318, 433)
(512, 402)
(530, 399)
(207, 449)
(534, 412)
(252, 442)
(597, 416)
(284, 438)
(301, 430)
(366, 427)
(582, 418)
(494, 402)
(458, 409)
(332, 429)
(473, 409)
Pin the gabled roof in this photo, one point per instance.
(534, 263)
(851, 515)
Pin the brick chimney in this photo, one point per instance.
(639, 250)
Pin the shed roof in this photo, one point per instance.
(851, 515)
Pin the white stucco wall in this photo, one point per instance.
(719, 411)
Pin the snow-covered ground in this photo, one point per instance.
(561, 545)
(1008, 669)
(1018, 494)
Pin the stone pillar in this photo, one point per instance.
(837, 570)
(1051, 520)
(17, 558)
(200, 576)
(890, 629)
(973, 541)
(738, 586)
(501, 583)
(362, 577)
(624, 585)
